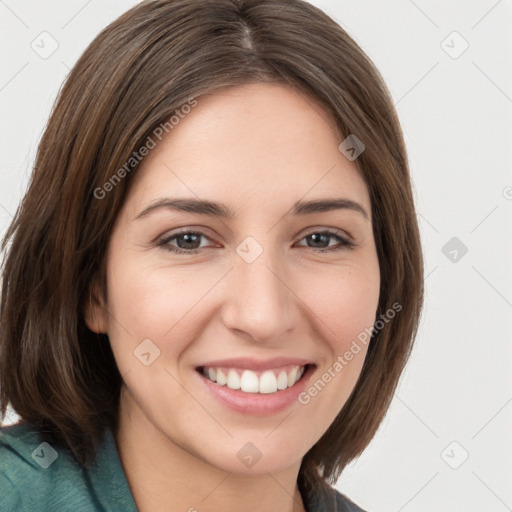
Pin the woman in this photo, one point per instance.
(214, 280)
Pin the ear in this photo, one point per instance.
(95, 313)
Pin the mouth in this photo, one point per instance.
(267, 382)
(256, 387)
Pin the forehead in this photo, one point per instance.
(261, 142)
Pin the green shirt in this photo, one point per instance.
(36, 477)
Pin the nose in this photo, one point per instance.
(260, 303)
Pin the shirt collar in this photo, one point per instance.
(108, 479)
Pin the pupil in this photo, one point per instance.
(189, 238)
(316, 238)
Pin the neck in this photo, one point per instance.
(163, 475)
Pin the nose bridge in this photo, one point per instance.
(260, 303)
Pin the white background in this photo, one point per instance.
(456, 114)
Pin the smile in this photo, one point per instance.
(249, 381)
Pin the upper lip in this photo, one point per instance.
(249, 363)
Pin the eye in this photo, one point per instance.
(189, 242)
(320, 240)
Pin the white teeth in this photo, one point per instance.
(282, 380)
(221, 377)
(249, 381)
(292, 377)
(233, 381)
(268, 382)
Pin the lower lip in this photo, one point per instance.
(257, 404)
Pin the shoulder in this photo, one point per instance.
(32, 471)
(34, 475)
(343, 504)
(328, 499)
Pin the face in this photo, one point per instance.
(254, 292)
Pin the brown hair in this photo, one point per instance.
(57, 374)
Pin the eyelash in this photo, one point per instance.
(344, 243)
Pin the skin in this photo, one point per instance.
(259, 149)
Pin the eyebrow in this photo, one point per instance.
(213, 209)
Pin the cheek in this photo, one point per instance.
(345, 300)
(154, 302)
